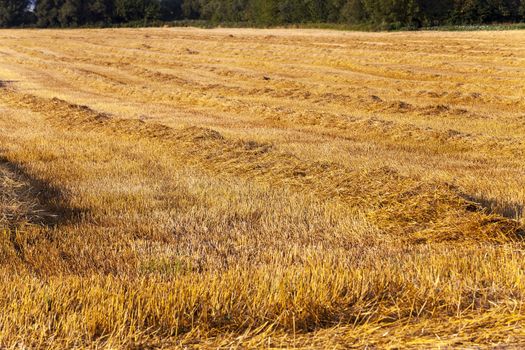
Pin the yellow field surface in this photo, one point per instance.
(188, 188)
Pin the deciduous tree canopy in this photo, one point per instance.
(400, 13)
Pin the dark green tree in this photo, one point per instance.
(12, 12)
(354, 12)
(70, 13)
(170, 10)
(99, 12)
(46, 12)
(191, 9)
(264, 12)
(382, 13)
(137, 10)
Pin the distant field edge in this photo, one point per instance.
(365, 27)
(362, 27)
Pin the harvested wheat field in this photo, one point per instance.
(189, 188)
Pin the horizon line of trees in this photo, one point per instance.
(396, 13)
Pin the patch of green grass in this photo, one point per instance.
(365, 27)
(478, 27)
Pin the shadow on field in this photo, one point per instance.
(6, 83)
(48, 203)
(510, 210)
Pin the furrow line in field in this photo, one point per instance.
(399, 205)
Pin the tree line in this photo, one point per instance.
(393, 13)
